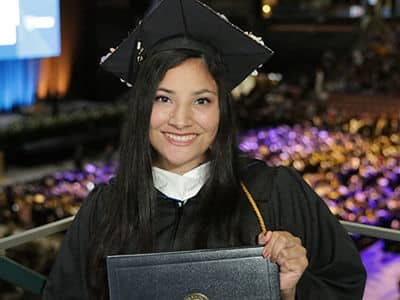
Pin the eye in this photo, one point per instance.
(202, 101)
(164, 99)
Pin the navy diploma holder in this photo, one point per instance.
(233, 274)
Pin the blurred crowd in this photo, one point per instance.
(53, 197)
(370, 69)
(373, 65)
(357, 176)
(27, 205)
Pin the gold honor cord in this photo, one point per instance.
(255, 207)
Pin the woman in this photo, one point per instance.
(179, 188)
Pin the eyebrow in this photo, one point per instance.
(203, 91)
(166, 90)
(196, 93)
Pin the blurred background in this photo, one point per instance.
(326, 104)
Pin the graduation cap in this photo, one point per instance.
(188, 24)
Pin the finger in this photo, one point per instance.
(291, 253)
(283, 236)
(264, 237)
(272, 238)
(281, 242)
(296, 265)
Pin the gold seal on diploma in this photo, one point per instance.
(196, 296)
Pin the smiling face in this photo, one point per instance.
(185, 117)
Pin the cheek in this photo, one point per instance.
(210, 122)
(157, 117)
(156, 121)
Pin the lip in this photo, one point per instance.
(180, 138)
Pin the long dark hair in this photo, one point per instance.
(127, 213)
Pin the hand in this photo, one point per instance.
(287, 251)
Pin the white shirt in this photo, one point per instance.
(181, 187)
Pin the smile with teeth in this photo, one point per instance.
(180, 138)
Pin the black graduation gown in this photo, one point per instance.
(286, 202)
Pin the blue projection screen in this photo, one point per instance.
(29, 29)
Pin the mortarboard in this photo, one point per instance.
(188, 24)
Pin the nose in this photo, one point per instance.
(181, 117)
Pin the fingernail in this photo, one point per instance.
(261, 239)
(268, 235)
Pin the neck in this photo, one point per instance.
(165, 165)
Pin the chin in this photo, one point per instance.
(180, 164)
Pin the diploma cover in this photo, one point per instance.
(238, 273)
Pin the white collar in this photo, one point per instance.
(181, 187)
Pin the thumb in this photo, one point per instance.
(264, 237)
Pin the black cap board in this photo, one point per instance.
(188, 24)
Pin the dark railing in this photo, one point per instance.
(34, 282)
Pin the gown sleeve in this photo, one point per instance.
(67, 277)
(335, 269)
